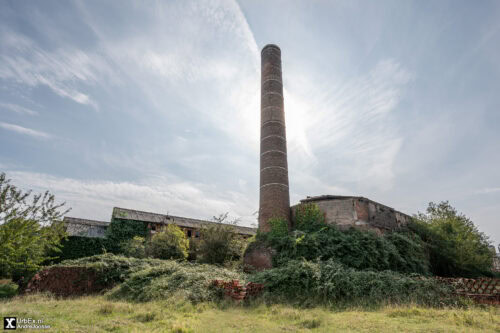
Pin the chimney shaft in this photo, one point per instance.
(274, 191)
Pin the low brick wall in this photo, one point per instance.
(66, 281)
(483, 290)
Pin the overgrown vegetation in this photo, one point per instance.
(169, 243)
(330, 282)
(122, 230)
(219, 243)
(454, 244)
(30, 230)
(441, 242)
(312, 239)
(174, 280)
(74, 247)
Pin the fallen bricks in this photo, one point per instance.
(237, 292)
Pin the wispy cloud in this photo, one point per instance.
(166, 194)
(64, 71)
(18, 109)
(25, 131)
(347, 121)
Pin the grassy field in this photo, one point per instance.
(97, 314)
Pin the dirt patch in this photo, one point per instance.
(67, 281)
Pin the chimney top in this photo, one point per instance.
(271, 45)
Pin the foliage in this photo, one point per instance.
(279, 228)
(15, 204)
(327, 282)
(122, 230)
(25, 244)
(316, 240)
(455, 246)
(410, 255)
(174, 280)
(111, 268)
(8, 290)
(74, 247)
(308, 217)
(134, 247)
(219, 242)
(30, 229)
(170, 243)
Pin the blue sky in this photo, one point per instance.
(155, 105)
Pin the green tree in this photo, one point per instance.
(170, 243)
(220, 243)
(30, 229)
(135, 247)
(456, 247)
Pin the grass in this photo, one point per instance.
(99, 314)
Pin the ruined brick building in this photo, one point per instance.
(154, 222)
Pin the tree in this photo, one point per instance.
(170, 243)
(219, 243)
(456, 247)
(30, 229)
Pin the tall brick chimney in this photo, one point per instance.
(274, 192)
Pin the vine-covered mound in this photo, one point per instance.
(135, 279)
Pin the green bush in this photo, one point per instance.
(170, 243)
(8, 290)
(219, 243)
(330, 282)
(135, 247)
(308, 217)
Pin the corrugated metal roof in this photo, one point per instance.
(76, 220)
(137, 215)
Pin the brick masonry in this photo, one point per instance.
(274, 192)
(359, 212)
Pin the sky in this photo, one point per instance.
(155, 105)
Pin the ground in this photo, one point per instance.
(97, 314)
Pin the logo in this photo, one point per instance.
(9, 323)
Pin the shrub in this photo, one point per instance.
(308, 217)
(219, 243)
(135, 247)
(170, 243)
(330, 282)
(8, 290)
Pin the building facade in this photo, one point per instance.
(359, 212)
(154, 222)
